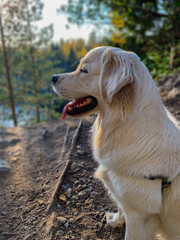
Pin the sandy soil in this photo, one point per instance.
(26, 191)
(33, 154)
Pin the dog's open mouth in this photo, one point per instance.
(79, 106)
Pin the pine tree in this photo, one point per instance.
(6, 10)
(30, 11)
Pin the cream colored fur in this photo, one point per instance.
(133, 137)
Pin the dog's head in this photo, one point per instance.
(104, 80)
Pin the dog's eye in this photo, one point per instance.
(83, 70)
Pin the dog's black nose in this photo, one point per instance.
(54, 78)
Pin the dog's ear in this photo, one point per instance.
(118, 71)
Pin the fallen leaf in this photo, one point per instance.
(62, 197)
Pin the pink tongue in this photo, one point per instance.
(72, 104)
(64, 112)
(66, 108)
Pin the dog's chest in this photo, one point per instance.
(103, 148)
(100, 139)
(98, 143)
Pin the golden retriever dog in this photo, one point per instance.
(135, 140)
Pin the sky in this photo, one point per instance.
(60, 21)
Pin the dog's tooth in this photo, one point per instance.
(88, 100)
(69, 108)
(80, 104)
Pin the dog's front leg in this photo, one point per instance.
(139, 198)
(113, 219)
(140, 227)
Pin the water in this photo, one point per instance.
(24, 116)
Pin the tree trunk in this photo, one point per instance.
(6, 64)
(173, 48)
(33, 65)
(35, 88)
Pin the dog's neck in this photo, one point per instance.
(130, 136)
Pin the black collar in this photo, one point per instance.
(165, 182)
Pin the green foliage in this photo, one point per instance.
(135, 25)
(157, 64)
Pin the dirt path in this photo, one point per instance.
(82, 216)
(33, 154)
(26, 191)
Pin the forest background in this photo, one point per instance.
(29, 57)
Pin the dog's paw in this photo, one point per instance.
(115, 219)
